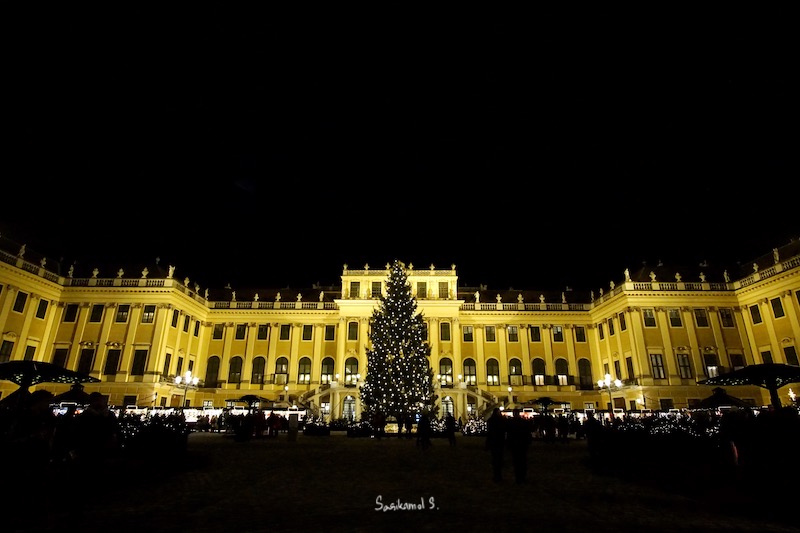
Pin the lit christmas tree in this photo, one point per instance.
(399, 380)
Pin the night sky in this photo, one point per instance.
(267, 151)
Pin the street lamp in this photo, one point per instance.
(607, 383)
(186, 381)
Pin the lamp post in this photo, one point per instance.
(186, 381)
(607, 383)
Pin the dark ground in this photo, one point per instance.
(333, 483)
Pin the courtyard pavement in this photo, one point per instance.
(336, 483)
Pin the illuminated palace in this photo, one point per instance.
(655, 332)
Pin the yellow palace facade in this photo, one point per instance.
(656, 331)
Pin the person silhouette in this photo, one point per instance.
(496, 442)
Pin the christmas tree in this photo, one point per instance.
(399, 379)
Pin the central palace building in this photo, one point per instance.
(658, 331)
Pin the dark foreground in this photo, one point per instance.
(337, 483)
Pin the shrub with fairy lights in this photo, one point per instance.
(399, 378)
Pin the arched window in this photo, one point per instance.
(585, 373)
(492, 372)
(515, 371)
(281, 371)
(235, 370)
(539, 371)
(351, 372)
(562, 371)
(448, 407)
(349, 408)
(470, 372)
(446, 372)
(304, 371)
(259, 366)
(212, 372)
(327, 370)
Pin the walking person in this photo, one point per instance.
(519, 440)
(496, 442)
(450, 428)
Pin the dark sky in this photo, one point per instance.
(265, 150)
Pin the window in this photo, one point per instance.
(444, 331)
(149, 314)
(684, 365)
(259, 365)
(327, 370)
(60, 357)
(467, 331)
(726, 317)
(535, 333)
(649, 316)
(41, 310)
(30, 351)
(766, 357)
(112, 362)
(491, 335)
(262, 332)
(5, 351)
(492, 372)
(562, 371)
(623, 325)
(164, 372)
(791, 355)
(175, 315)
(446, 372)
(241, 331)
(580, 334)
(179, 369)
(286, 331)
(422, 289)
(96, 314)
(235, 370)
(513, 334)
(281, 370)
(755, 314)
(197, 328)
(352, 331)
(558, 334)
(444, 291)
(601, 331)
(515, 372)
(538, 367)
(711, 364)
(308, 331)
(355, 289)
(424, 327)
(375, 292)
(701, 318)
(470, 371)
(611, 326)
(86, 360)
(186, 321)
(218, 331)
(737, 361)
(71, 313)
(19, 302)
(122, 313)
(629, 366)
(351, 372)
(330, 333)
(139, 362)
(304, 371)
(657, 366)
(777, 308)
(675, 318)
